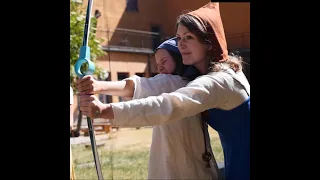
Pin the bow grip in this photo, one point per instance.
(84, 57)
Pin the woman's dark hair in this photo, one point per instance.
(204, 34)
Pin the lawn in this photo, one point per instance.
(124, 156)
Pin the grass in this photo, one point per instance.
(124, 162)
(120, 164)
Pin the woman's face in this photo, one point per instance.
(192, 50)
(164, 61)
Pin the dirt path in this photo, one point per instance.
(141, 137)
(125, 137)
(130, 136)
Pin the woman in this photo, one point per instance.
(177, 148)
(225, 90)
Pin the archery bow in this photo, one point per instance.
(84, 57)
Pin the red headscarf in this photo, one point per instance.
(209, 17)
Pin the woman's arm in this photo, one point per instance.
(154, 86)
(133, 87)
(88, 85)
(205, 92)
(116, 88)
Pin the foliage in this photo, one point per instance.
(77, 22)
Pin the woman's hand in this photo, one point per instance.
(88, 85)
(93, 108)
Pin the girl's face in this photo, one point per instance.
(164, 61)
(192, 50)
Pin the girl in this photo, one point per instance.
(177, 148)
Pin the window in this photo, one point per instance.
(132, 6)
(105, 98)
(97, 13)
(121, 76)
(155, 38)
(141, 74)
(153, 74)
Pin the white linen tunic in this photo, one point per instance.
(177, 147)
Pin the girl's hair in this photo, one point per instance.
(180, 67)
(204, 34)
(187, 72)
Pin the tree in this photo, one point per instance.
(77, 21)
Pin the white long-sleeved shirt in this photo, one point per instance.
(214, 90)
(177, 148)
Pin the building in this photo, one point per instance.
(133, 28)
